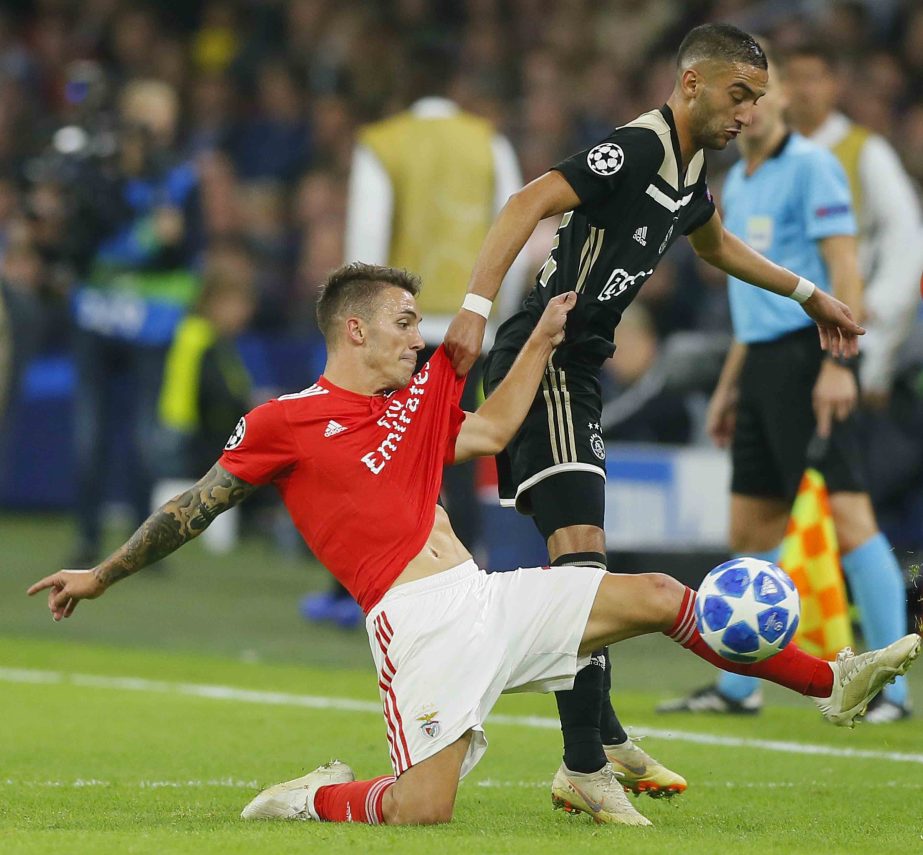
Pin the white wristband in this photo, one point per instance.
(477, 304)
(803, 290)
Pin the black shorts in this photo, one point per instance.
(775, 423)
(560, 434)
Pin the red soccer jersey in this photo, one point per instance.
(360, 475)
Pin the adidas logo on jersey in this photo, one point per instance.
(333, 428)
(640, 235)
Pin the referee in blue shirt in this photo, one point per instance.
(789, 199)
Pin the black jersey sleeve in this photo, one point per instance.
(703, 206)
(627, 155)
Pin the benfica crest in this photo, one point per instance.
(429, 724)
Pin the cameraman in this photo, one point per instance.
(127, 307)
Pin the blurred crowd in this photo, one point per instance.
(155, 141)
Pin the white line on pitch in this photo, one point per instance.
(230, 693)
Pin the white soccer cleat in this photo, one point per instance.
(857, 679)
(295, 799)
(640, 773)
(598, 794)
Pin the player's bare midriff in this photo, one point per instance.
(442, 551)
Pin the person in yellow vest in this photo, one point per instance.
(206, 385)
(424, 187)
(885, 204)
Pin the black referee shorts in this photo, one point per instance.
(775, 423)
(561, 434)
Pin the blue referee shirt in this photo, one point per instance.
(795, 198)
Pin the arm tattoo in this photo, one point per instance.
(179, 520)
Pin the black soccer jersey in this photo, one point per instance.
(635, 202)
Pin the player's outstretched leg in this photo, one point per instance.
(627, 606)
(842, 689)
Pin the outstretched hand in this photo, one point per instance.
(66, 588)
(552, 321)
(839, 332)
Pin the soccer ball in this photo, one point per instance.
(747, 609)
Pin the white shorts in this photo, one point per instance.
(447, 646)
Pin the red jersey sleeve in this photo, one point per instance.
(261, 446)
(453, 385)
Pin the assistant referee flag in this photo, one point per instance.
(810, 555)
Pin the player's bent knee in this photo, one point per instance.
(665, 597)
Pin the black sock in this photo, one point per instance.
(580, 709)
(579, 712)
(610, 728)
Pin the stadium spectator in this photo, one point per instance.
(790, 199)
(447, 638)
(274, 142)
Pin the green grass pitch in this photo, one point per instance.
(147, 721)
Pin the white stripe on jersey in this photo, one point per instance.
(568, 415)
(549, 406)
(662, 199)
(310, 392)
(560, 418)
(595, 243)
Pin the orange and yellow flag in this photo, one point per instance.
(811, 557)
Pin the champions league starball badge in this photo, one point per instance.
(606, 159)
(237, 437)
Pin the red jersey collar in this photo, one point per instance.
(347, 395)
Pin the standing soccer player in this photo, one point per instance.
(625, 201)
(790, 198)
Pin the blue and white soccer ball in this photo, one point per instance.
(747, 609)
